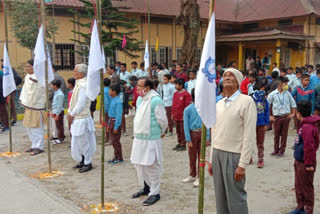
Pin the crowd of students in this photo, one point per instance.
(284, 95)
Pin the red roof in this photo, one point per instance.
(263, 35)
(226, 10)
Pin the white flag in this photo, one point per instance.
(146, 57)
(8, 82)
(40, 61)
(205, 91)
(96, 62)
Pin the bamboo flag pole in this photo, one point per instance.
(43, 18)
(203, 144)
(98, 3)
(149, 35)
(9, 97)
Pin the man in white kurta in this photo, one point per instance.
(83, 142)
(32, 99)
(150, 124)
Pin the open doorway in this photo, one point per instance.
(250, 52)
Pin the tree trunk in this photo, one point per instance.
(189, 17)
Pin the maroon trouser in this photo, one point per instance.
(304, 187)
(123, 122)
(13, 110)
(170, 121)
(194, 152)
(4, 115)
(60, 126)
(107, 133)
(260, 133)
(115, 139)
(180, 133)
(281, 127)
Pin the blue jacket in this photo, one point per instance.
(263, 117)
(300, 93)
(192, 121)
(115, 111)
(314, 81)
(107, 99)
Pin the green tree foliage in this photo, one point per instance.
(25, 22)
(115, 23)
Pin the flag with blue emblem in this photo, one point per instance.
(8, 83)
(205, 90)
(146, 57)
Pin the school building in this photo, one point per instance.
(287, 29)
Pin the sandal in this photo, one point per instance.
(36, 152)
(30, 150)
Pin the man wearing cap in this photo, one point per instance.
(233, 140)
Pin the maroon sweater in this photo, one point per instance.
(310, 135)
(181, 100)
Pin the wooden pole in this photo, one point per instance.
(98, 2)
(9, 96)
(53, 37)
(43, 18)
(203, 144)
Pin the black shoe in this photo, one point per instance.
(144, 191)
(13, 123)
(85, 168)
(78, 166)
(112, 160)
(176, 147)
(181, 148)
(151, 200)
(140, 193)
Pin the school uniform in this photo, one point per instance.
(303, 93)
(58, 110)
(125, 76)
(291, 78)
(107, 101)
(262, 121)
(191, 84)
(142, 73)
(281, 108)
(305, 155)
(115, 118)
(192, 129)
(182, 75)
(168, 92)
(180, 101)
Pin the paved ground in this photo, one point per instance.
(270, 190)
(19, 195)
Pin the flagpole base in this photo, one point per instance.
(47, 175)
(109, 207)
(10, 154)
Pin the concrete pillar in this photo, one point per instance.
(278, 53)
(240, 58)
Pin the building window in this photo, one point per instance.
(285, 22)
(178, 53)
(318, 21)
(153, 55)
(65, 59)
(82, 54)
(285, 56)
(198, 55)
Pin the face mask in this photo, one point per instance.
(142, 93)
(285, 88)
(117, 68)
